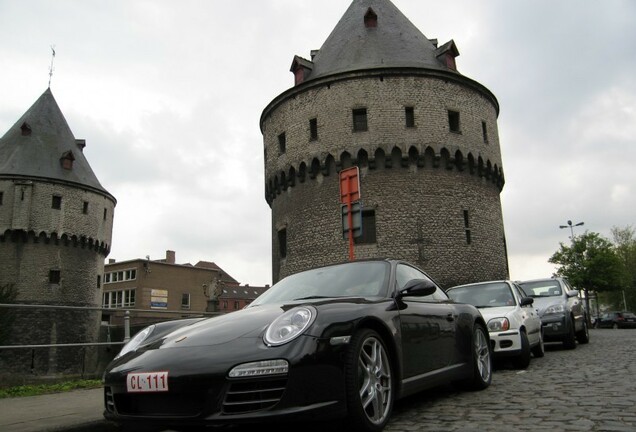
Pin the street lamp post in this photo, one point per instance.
(569, 225)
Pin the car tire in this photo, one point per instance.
(583, 336)
(370, 383)
(522, 361)
(570, 339)
(539, 350)
(482, 360)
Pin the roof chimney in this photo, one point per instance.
(170, 257)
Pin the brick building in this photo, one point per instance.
(381, 96)
(155, 287)
(56, 223)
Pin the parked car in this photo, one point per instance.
(341, 341)
(513, 323)
(617, 320)
(561, 310)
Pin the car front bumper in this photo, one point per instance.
(506, 343)
(555, 327)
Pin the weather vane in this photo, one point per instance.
(51, 67)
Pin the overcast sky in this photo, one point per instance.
(168, 95)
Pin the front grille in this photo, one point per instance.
(248, 396)
(159, 404)
(109, 400)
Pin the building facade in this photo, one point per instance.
(159, 290)
(380, 96)
(56, 223)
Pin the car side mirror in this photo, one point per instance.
(573, 293)
(526, 301)
(418, 288)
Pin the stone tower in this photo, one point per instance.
(381, 96)
(56, 223)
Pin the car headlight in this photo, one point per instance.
(498, 324)
(557, 308)
(134, 343)
(289, 325)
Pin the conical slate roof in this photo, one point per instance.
(35, 145)
(393, 42)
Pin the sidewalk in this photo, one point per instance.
(78, 410)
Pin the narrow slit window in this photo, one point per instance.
(282, 243)
(282, 143)
(105, 213)
(56, 202)
(313, 129)
(453, 121)
(85, 207)
(409, 115)
(359, 119)
(1, 197)
(484, 131)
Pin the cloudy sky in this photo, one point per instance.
(168, 95)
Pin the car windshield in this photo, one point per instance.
(542, 288)
(355, 279)
(495, 294)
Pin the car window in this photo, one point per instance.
(546, 288)
(483, 295)
(405, 273)
(520, 292)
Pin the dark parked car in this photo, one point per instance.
(561, 310)
(341, 341)
(617, 320)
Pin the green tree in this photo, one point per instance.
(590, 263)
(625, 245)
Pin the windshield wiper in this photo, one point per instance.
(312, 297)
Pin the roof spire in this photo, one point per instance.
(51, 67)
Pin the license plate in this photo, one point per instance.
(147, 382)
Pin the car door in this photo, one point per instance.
(575, 304)
(530, 316)
(427, 325)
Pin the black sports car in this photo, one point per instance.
(342, 341)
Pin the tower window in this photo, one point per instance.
(282, 243)
(368, 228)
(105, 213)
(409, 115)
(359, 120)
(99, 281)
(54, 276)
(282, 143)
(85, 207)
(453, 121)
(56, 202)
(484, 131)
(467, 227)
(370, 19)
(313, 129)
(26, 129)
(1, 197)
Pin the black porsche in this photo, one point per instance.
(336, 342)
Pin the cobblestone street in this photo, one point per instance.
(591, 388)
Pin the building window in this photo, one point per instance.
(54, 276)
(282, 243)
(1, 197)
(118, 299)
(467, 227)
(370, 19)
(120, 276)
(185, 301)
(282, 143)
(225, 304)
(56, 203)
(453, 121)
(409, 114)
(484, 131)
(313, 129)
(105, 213)
(236, 305)
(85, 207)
(99, 281)
(359, 120)
(368, 228)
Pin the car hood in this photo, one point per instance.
(495, 312)
(218, 330)
(542, 303)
